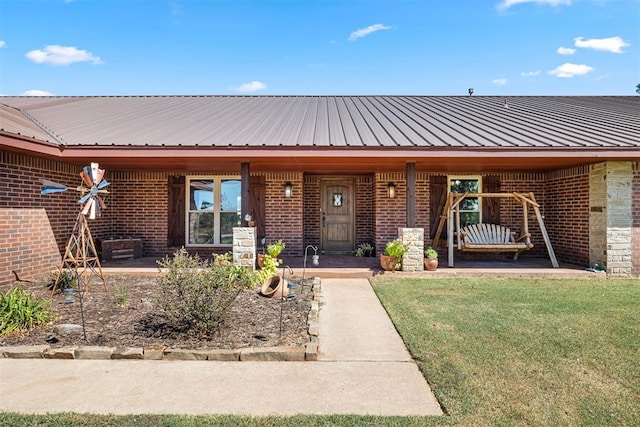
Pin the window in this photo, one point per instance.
(470, 207)
(213, 210)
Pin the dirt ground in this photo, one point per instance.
(127, 316)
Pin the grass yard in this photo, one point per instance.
(524, 351)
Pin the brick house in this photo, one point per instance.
(330, 171)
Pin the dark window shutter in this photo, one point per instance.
(491, 205)
(257, 191)
(438, 190)
(176, 214)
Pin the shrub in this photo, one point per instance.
(21, 311)
(195, 295)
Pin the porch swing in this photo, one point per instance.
(490, 237)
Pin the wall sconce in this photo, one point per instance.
(392, 190)
(288, 189)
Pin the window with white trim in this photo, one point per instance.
(470, 207)
(213, 209)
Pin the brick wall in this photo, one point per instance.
(28, 245)
(311, 210)
(137, 208)
(364, 215)
(566, 214)
(284, 216)
(511, 211)
(35, 228)
(390, 214)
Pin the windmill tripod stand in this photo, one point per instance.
(80, 256)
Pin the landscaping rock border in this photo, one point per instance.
(307, 352)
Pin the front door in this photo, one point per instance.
(337, 215)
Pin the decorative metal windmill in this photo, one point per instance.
(80, 254)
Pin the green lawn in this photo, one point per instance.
(524, 351)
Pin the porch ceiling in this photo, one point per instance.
(329, 160)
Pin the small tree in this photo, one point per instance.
(195, 295)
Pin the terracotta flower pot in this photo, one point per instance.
(274, 287)
(388, 262)
(430, 264)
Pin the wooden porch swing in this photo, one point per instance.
(490, 237)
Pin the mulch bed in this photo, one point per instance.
(253, 320)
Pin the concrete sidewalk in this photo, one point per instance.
(364, 369)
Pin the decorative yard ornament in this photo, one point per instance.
(80, 257)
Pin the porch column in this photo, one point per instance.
(414, 237)
(611, 216)
(244, 192)
(244, 247)
(411, 195)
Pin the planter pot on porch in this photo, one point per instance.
(430, 264)
(388, 262)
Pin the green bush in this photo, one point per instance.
(195, 295)
(21, 311)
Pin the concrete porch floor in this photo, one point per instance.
(349, 266)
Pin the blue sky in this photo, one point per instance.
(319, 47)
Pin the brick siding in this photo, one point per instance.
(284, 216)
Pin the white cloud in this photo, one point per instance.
(61, 55)
(506, 4)
(362, 32)
(251, 87)
(566, 51)
(3, 43)
(530, 73)
(569, 70)
(36, 92)
(499, 82)
(610, 44)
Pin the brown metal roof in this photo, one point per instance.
(311, 128)
(334, 121)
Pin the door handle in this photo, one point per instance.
(324, 218)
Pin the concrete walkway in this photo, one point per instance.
(364, 369)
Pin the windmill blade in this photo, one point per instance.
(100, 176)
(92, 209)
(86, 178)
(103, 184)
(84, 198)
(101, 203)
(49, 187)
(87, 206)
(94, 173)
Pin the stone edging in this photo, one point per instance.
(159, 352)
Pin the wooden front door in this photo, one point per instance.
(337, 215)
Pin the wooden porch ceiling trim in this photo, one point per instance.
(328, 160)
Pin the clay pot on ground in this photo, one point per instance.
(274, 287)
(430, 264)
(260, 260)
(388, 262)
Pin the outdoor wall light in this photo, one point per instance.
(392, 190)
(288, 189)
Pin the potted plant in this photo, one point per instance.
(391, 259)
(273, 250)
(430, 259)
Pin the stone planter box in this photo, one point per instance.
(116, 248)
